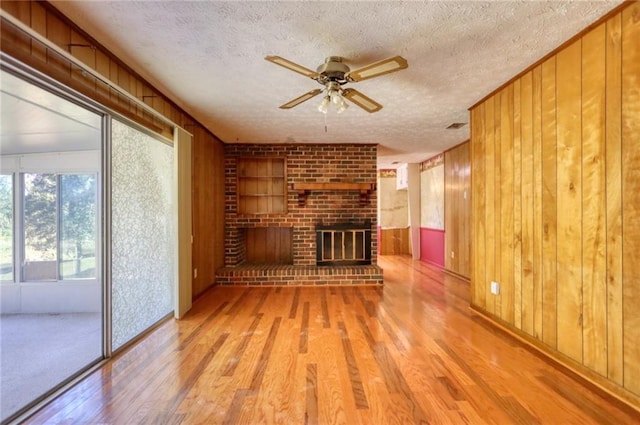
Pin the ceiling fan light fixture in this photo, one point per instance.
(342, 107)
(336, 99)
(334, 96)
(324, 105)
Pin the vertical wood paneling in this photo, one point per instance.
(18, 9)
(594, 284)
(457, 219)
(558, 151)
(103, 65)
(631, 193)
(478, 212)
(269, 245)
(526, 168)
(22, 11)
(538, 312)
(124, 81)
(81, 49)
(490, 223)
(497, 130)
(59, 33)
(208, 202)
(549, 210)
(395, 241)
(450, 221)
(39, 24)
(569, 231)
(139, 90)
(112, 74)
(614, 199)
(464, 240)
(517, 206)
(505, 213)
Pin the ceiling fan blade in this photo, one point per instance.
(299, 100)
(361, 100)
(292, 66)
(376, 69)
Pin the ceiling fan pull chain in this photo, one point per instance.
(325, 122)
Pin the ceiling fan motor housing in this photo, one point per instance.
(332, 70)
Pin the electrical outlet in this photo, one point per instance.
(495, 288)
(453, 254)
(195, 273)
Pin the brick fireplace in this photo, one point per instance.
(326, 185)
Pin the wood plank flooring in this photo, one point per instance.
(410, 352)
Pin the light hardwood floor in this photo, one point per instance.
(410, 352)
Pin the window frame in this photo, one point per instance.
(12, 175)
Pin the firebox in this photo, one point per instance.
(343, 244)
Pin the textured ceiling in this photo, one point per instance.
(208, 57)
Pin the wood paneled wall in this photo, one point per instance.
(556, 203)
(208, 208)
(207, 150)
(395, 241)
(457, 210)
(269, 245)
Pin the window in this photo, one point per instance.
(40, 228)
(60, 226)
(6, 227)
(262, 186)
(78, 226)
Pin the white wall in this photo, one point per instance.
(393, 209)
(432, 195)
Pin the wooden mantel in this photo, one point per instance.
(303, 189)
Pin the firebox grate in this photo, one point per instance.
(343, 244)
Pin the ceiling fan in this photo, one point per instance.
(333, 74)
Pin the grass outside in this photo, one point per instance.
(72, 268)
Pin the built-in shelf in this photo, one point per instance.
(303, 189)
(262, 187)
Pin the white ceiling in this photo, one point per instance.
(33, 120)
(208, 57)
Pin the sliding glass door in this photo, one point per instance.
(51, 286)
(87, 237)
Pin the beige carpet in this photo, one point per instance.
(39, 351)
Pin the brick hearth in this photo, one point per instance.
(277, 275)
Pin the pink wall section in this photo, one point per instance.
(432, 246)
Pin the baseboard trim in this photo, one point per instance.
(619, 396)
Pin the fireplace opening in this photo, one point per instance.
(343, 244)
